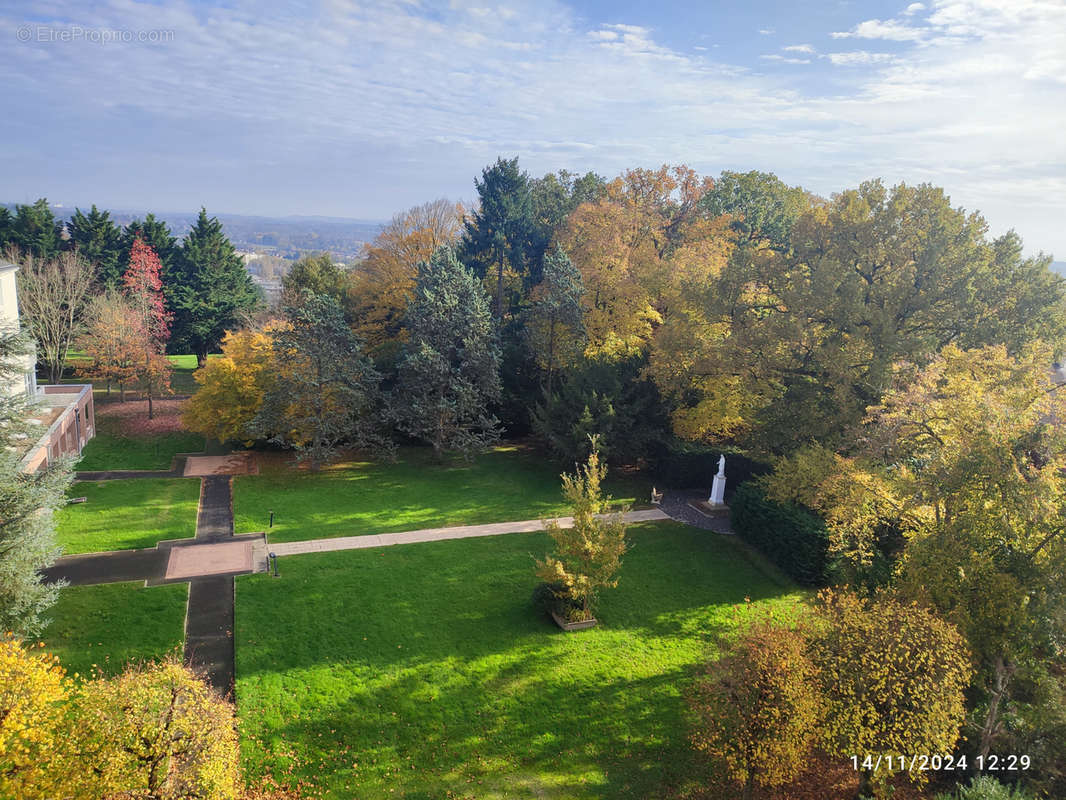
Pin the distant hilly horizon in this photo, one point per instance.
(288, 236)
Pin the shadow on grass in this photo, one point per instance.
(424, 668)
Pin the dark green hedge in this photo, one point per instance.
(791, 537)
(685, 465)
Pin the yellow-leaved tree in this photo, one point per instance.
(893, 676)
(758, 706)
(157, 730)
(232, 387)
(589, 554)
(33, 693)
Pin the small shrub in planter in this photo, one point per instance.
(554, 600)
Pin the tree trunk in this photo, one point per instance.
(551, 358)
(201, 357)
(499, 289)
(1002, 673)
(151, 409)
(865, 784)
(749, 786)
(122, 393)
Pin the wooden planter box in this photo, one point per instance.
(573, 626)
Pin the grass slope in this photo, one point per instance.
(421, 671)
(110, 450)
(106, 626)
(128, 514)
(356, 498)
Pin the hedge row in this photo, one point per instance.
(685, 465)
(792, 537)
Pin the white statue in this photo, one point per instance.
(718, 487)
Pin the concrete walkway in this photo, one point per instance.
(437, 534)
(209, 615)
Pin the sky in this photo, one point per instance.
(363, 109)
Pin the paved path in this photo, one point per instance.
(209, 615)
(677, 507)
(436, 534)
(177, 470)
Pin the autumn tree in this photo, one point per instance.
(587, 555)
(383, 283)
(232, 387)
(96, 238)
(210, 291)
(325, 391)
(155, 233)
(973, 439)
(112, 341)
(757, 706)
(641, 248)
(449, 372)
(53, 293)
(33, 692)
(792, 346)
(156, 730)
(893, 676)
(144, 291)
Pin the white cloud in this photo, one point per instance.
(971, 97)
(883, 29)
(913, 9)
(767, 31)
(785, 59)
(856, 57)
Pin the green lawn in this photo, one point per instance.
(122, 515)
(109, 450)
(106, 626)
(352, 499)
(181, 380)
(422, 671)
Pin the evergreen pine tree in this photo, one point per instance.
(35, 230)
(27, 530)
(210, 289)
(99, 241)
(156, 234)
(554, 325)
(326, 390)
(499, 235)
(7, 229)
(449, 372)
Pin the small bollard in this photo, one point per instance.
(274, 560)
(271, 519)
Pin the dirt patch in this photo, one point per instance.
(131, 418)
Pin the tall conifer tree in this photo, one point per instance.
(210, 290)
(450, 371)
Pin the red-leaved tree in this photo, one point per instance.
(144, 289)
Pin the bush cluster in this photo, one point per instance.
(792, 537)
